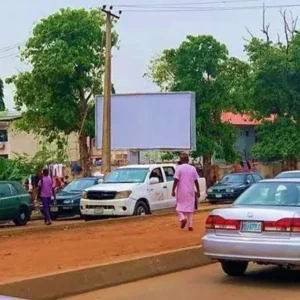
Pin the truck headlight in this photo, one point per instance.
(123, 194)
(209, 190)
(84, 195)
(229, 190)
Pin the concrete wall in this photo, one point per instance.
(245, 140)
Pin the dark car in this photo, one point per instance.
(68, 200)
(15, 203)
(231, 186)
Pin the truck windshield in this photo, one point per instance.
(127, 175)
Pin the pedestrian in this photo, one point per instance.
(46, 191)
(185, 181)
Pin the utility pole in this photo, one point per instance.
(106, 125)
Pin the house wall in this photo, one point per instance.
(245, 140)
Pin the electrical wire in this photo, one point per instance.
(212, 9)
(182, 4)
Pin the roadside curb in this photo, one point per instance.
(70, 283)
(60, 227)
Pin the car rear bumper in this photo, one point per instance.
(271, 251)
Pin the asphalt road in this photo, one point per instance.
(209, 282)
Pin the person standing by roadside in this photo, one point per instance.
(185, 181)
(46, 190)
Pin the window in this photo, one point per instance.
(257, 177)
(156, 173)
(170, 172)
(5, 190)
(3, 136)
(271, 194)
(13, 189)
(249, 178)
(247, 133)
(127, 175)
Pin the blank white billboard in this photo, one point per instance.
(150, 121)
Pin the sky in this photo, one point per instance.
(143, 35)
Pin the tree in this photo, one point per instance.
(66, 53)
(2, 104)
(274, 90)
(202, 64)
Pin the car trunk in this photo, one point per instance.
(256, 222)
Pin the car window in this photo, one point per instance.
(170, 172)
(257, 177)
(13, 189)
(271, 194)
(249, 178)
(233, 178)
(288, 175)
(156, 173)
(5, 190)
(127, 175)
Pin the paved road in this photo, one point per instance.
(208, 282)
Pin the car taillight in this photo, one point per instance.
(285, 225)
(217, 222)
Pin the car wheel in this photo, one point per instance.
(234, 268)
(141, 209)
(22, 216)
(86, 218)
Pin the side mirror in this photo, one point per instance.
(154, 180)
(248, 181)
(100, 180)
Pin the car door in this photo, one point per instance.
(158, 191)
(8, 202)
(169, 173)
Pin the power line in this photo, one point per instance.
(211, 9)
(9, 55)
(11, 47)
(181, 4)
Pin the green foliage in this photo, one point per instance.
(169, 155)
(274, 90)
(2, 104)
(22, 166)
(277, 140)
(66, 53)
(202, 64)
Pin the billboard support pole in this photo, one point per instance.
(106, 127)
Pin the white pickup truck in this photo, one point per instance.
(133, 190)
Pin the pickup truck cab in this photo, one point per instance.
(133, 190)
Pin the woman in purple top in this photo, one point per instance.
(46, 189)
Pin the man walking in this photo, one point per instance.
(46, 190)
(185, 181)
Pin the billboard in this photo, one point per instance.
(150, 121)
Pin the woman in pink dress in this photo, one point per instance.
(185, 181)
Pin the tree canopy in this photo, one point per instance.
(274, 90)
(203, 65)
(66, 55)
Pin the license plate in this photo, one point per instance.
(251, 227)
(54, 209)
(98, 211)
(219, 196)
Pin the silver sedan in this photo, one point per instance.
(262, 226)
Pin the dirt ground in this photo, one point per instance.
(45, 252)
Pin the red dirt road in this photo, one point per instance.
(45, 252)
